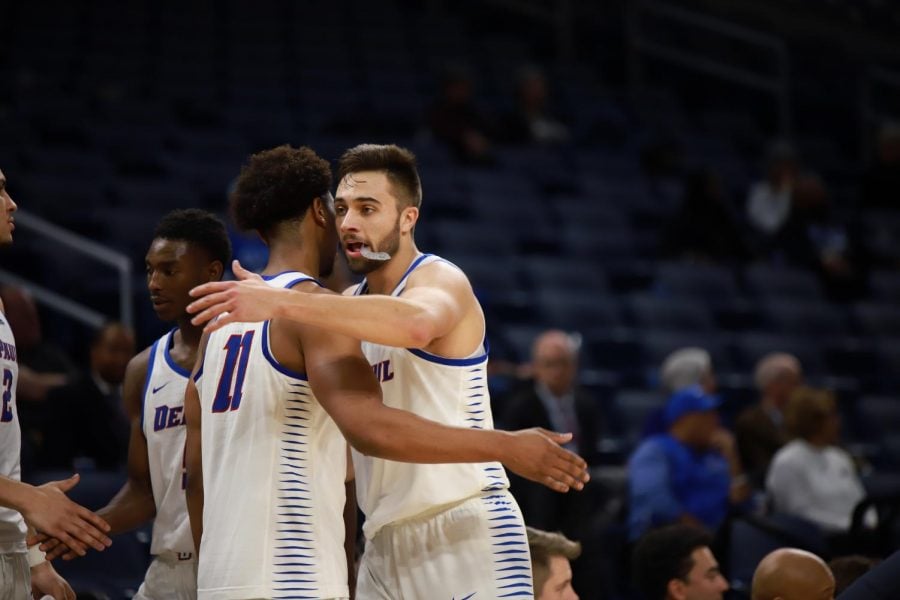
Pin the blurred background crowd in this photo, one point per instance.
(681, 218)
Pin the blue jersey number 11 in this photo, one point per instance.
(231, 381)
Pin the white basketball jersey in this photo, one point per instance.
(274, 465)
(449, 391)
(162, 421)
(12, 525)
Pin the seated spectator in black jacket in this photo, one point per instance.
(706, 226)
(554, 401)
(881, 182)
(456, 121)
(531, 122)
(815, 238)
(86, 418)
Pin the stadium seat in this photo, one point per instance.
(767, 281)
(670, 314)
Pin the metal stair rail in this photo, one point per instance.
(78, 243)
(643, 45)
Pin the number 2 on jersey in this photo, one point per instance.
(6, 415)
(231, 381)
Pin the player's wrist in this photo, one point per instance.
(36, 556)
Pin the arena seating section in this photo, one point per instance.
(112, 113)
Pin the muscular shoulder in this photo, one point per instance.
(441, 274)
(138, 365)
(135, 376)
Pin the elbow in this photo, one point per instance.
(421, 332)
(370, 442)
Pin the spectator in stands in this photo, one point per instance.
(531, 121)
(813, 237)
(554, 401)
(706, 227)
(551, 569)
(686, 367)
(769, 201)
(455, 120)
(676, 563)
(791, 574)
(811, 477)
(847, 569)
(42, 365)
(881, 182)
(88, 417)
(760, 429)
(681, 369)
(689, 474)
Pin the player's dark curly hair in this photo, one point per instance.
(199, 227)
(278, 185)
(399, 164)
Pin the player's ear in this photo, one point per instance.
(320, 212)
(408, 218)
(215, 270)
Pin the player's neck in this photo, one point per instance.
(384, 279)
(292, 258)
(190, 335)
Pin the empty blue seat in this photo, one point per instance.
(764, 280)
(678, 314)
(804, 317)
(474, 238)
(882, 320)
(885, 285)
(574, 309)
(706, 282)
(584, 276)
(632, 408)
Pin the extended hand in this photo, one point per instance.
(536, 454)
(49, 511)
(247, 300)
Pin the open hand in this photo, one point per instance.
(51, 512)
(248, 300)
(536, 454)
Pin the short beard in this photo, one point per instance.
(390, 244)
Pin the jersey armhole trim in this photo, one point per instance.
(271, 359)
(147, 377)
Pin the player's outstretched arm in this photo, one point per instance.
(47, 509)
(412, 320)
(343, 382)
(133, 505)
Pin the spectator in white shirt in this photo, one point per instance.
(811, 477)
(769, 200)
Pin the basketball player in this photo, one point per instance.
(262, 447)
(24, 571)
(430, 528)
(189, 247)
